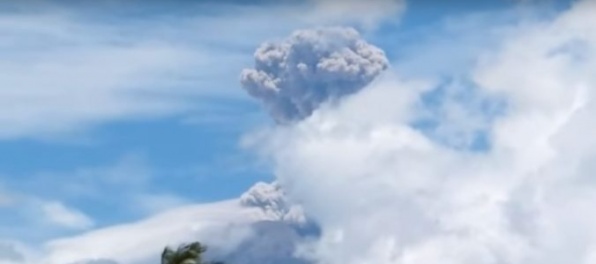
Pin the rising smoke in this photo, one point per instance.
(383, 192)
(292, 78)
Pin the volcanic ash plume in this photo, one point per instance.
(295, 76)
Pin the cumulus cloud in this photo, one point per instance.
(295, 76)
(383, 191)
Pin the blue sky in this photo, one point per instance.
(169, 131)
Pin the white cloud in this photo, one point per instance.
(60, 75)
(57, 213)
(62, 72)
(135, 242)
(384, 192)
(222, 226)
(37, 212)
(153, 203)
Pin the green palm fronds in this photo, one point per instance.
(186, 254)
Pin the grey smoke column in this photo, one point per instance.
(293, 77)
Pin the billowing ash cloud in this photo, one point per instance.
(383, 192)
(295, 76)
(272, 200)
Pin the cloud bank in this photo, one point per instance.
(384, 191)
(260, 226)
(295, 76)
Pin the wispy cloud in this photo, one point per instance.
(59, 75)
(50, 204)
(149, 204)
(66, 69)
(58, 213)
(142, 241)
(62, 74)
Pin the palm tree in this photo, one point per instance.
(185, 254)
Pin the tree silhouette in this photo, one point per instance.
(185, 254)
